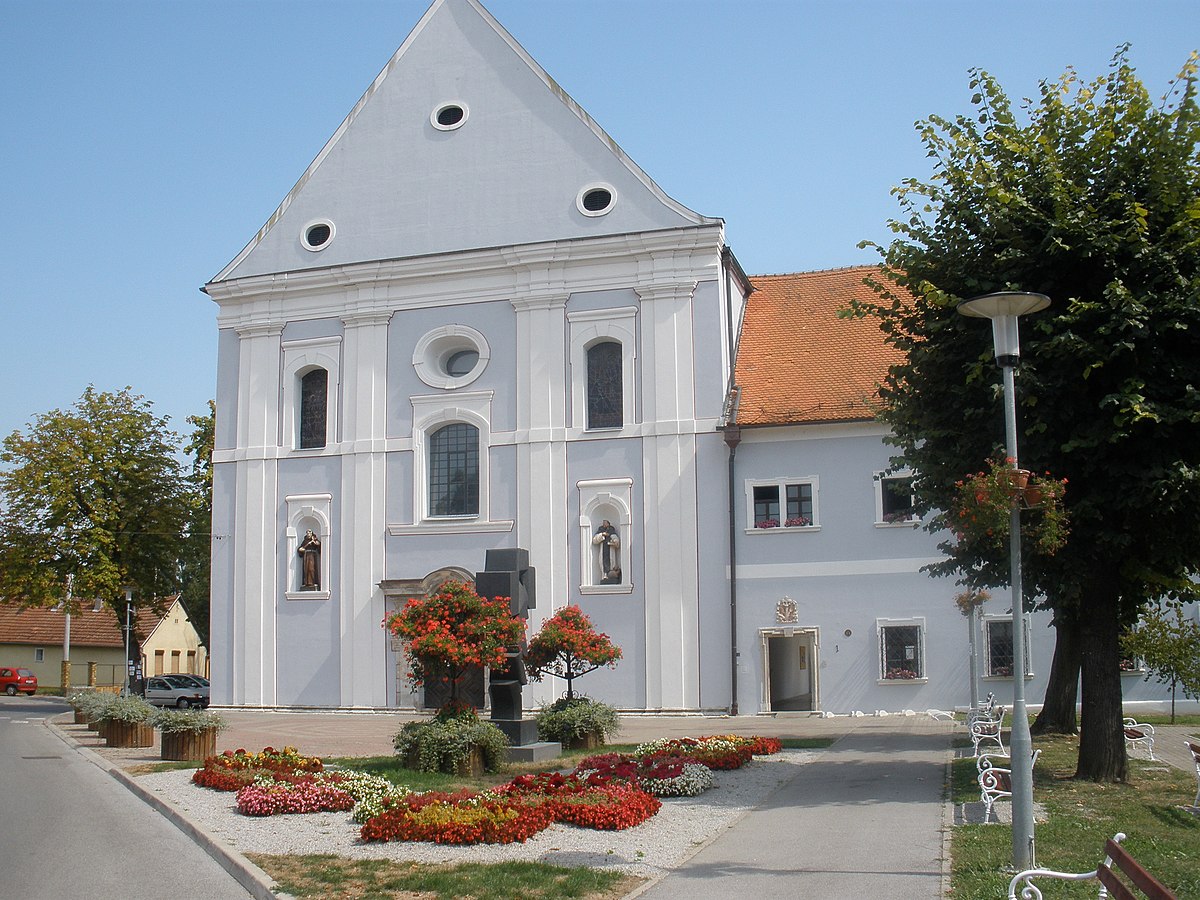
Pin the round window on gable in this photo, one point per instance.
(317, 235)
(448, 116)
(596, 199)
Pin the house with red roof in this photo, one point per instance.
(38, 639)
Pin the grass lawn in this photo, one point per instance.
(1081, 815)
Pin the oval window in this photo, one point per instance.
(317, 235)
(448, 116)
(461, 362)
(596, 199)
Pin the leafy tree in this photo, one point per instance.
(569, 646)
(453, 630)
(195, 561)
(1169, 645)
(1091, 195)
(95, 491)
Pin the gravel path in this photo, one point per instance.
(660, 843)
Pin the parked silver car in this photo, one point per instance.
(162, 692)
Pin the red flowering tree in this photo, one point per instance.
(453, 630)
(569, 646)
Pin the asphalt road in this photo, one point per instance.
(70, 830)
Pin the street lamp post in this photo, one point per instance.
(128, 610)
(1003, 309)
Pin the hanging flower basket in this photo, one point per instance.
(982, 509)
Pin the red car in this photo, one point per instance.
(14, 681)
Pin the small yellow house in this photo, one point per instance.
(35, 639)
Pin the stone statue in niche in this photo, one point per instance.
(310, 562)
(608, 545)
(786, 612)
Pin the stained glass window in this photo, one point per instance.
(604, 400)
(314, 402)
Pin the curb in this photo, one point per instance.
(257, 882)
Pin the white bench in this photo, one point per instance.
(1138, 734)
(1195, 749)
(1119, 875)
(995, 783)
(987, 729)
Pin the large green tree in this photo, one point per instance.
(1089, 193)
(195, 561)
(95, 491)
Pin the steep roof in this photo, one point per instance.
(394, 184)
(797, 362)
(44, 626)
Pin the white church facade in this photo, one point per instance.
(475, 324)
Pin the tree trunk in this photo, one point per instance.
(1062, 689)
(1101, 736)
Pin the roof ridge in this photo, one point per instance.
(834, 270)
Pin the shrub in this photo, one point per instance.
(176, 721)
(569, 719)
(131, 710)
(440, 745)
(92, 703)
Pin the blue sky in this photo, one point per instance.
(145, 141)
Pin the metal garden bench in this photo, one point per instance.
(995, 783)
(1138, 734)
(1121, 877)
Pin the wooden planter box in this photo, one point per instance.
(128, 734)
(589, 741)
(471, 767)
(81, 717)
(189, 745)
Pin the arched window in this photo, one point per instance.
(454, 471)
(314, 404)
(604, 407)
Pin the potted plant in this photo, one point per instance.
(981, 514)
(188, 734)
(91, 705)
(578, 723)
(567, 647)
(126, 722)
(455, 741)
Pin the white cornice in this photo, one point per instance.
(648, 261)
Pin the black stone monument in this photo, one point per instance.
(507, 574)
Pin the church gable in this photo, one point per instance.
(462, 142)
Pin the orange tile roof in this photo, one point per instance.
(797, 362)
(44, 626)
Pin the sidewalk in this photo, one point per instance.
(867, 819)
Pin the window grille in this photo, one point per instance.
(454, 471)
(901, 656)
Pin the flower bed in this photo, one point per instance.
(660, 775)
(270, 798)
(457, 819)
(234, 769)
(714, 752)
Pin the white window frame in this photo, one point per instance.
(300, 358)
(592, 326)
(782, 485)
(431, 412)
(985, 624)
(881, 625)
(437, 346)
(880, 478)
